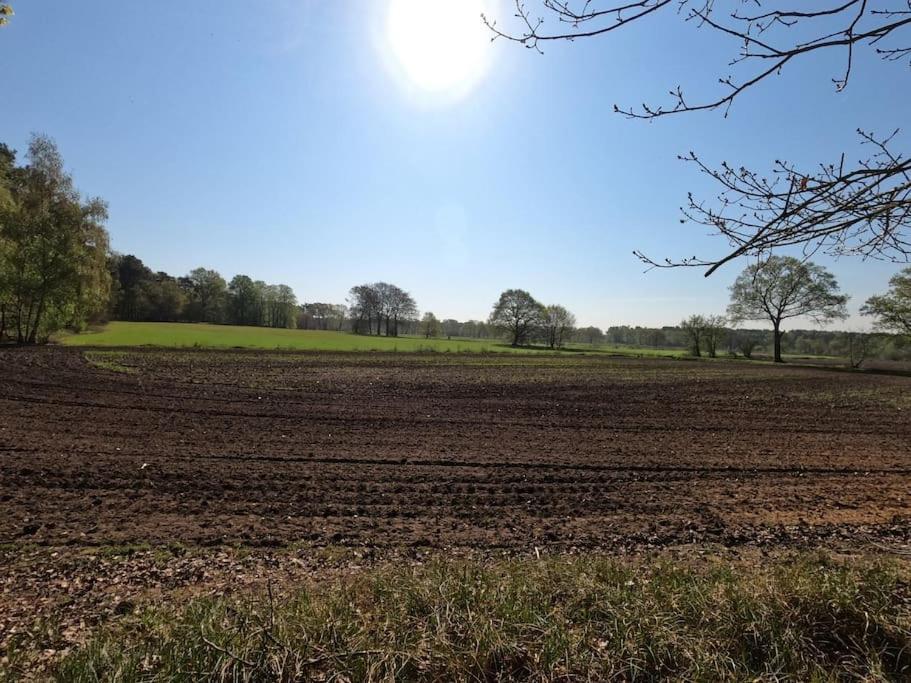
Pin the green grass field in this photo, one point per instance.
(182, 335)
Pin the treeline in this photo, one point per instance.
(57, 271)
(749, 342)
(482, 329)
(203, 295)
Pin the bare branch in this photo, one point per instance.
(865, 211)
(863, 26)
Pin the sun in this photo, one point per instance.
(440, 46)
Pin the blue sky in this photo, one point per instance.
(274, 139)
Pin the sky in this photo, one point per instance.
(310, 143)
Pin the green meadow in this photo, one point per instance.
(188, 335)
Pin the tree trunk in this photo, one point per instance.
(33, 336)
(777, 333)
(22, 334)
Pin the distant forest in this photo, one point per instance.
(203, 295)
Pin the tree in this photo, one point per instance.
(53, 246)
(746, 344)
(279, 306)
(285, 307)
(208, 294)
(6, 11)
(858, 346)
(558, 324)
(7, 168)
(321, 316)
(590, 335)
(244, 301)
(784, 287)
(694, 327)
(364, 304)
(383, 303)
(166, 300)
(133, 278)
(139, 294)
(399, 306)
(715, 329)
(863, 209)
(893, 309)
(451, 328)
(430, 326)
(518, 314)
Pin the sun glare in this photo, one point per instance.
(440, 46)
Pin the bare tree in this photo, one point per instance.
(837, 207)
(694, 328)
(715, 329)
(746, 344)
(558, 324)
(784, 287)
(858, 347)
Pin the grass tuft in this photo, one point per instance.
(810, 618)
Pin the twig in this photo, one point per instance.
(340, 655)
(227, 652)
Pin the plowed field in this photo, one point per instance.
(395, 450)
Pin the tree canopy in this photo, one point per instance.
(784, 287)
(893, 309)
(517, 313)
(53, 247)
(558, 324)
(200, 296)
(379, 303)
(430, 326)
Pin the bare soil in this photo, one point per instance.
(290, 455)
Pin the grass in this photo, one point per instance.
(184, 335)
(805, 618)
(107, 360)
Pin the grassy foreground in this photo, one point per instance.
(810, 618)
(180, 335)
